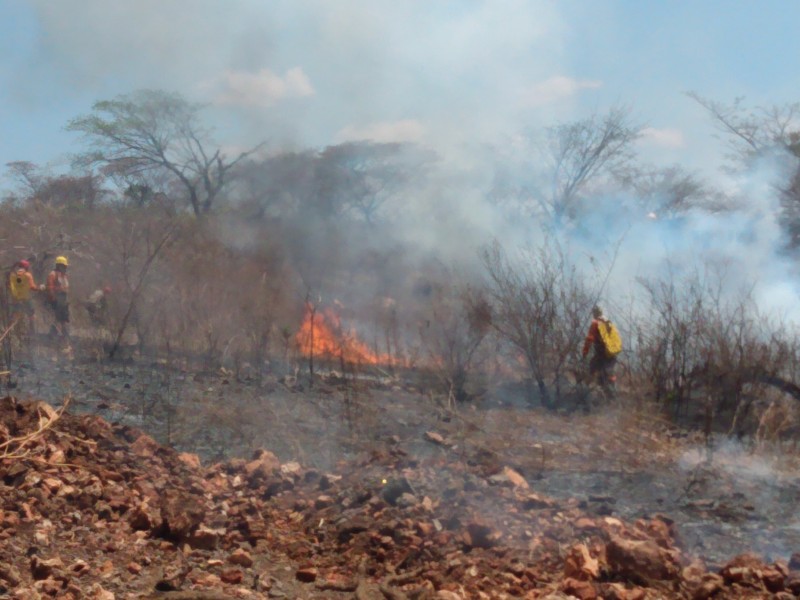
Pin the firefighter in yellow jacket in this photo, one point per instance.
(601, 365)
(20, 288)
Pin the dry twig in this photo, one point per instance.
(12, 449)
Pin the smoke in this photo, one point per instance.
(458, 78)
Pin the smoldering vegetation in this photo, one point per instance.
(474, 276)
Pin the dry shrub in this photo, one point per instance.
(539, 306)
(459, 320)
(703, 343)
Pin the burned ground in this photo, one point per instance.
(369, 489)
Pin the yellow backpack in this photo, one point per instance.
(19, 286)
(612, 342)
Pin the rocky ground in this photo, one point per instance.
(370, 491)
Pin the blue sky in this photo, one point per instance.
(316, 72)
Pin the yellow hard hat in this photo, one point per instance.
(62, 260)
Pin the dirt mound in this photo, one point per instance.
(92, 510)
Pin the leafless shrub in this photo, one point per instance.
(539, 305)
(459, 319)
(702, 342)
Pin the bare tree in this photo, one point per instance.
(750, 131)
(669, 191)
(152, 130)
(364, 176)
(564, 160)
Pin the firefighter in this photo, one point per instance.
(58, 298)
(20, 286)
(602, 365)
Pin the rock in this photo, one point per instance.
(292, 469)
(515, 478)
(10, 574)
(447, 595)
(617, 591)
(145, 517)
(232, 576)
(583, 590)
(134, 568)
(241, 557)
(205, 538)
(96, 592)
(434, 437)
(794, 561)
(579, 564)
(306, 574)
(181, 515)
(792, 583)
(190, 460)
(44, 568)
(744, 569)
(480, 535)
(407, 500)
(394, 488)
(533, 501)
(144, 446)
(707, 587)
(640, 561)
(773, 579)
(263, 466)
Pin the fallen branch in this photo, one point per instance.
(12, 449)
(9, 328)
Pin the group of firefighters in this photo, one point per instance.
(21, 288)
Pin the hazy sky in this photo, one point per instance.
(446, 73)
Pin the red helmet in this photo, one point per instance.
(107, 290)
(24, 264)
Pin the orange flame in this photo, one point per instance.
(321, 334)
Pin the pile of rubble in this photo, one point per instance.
(92, 510)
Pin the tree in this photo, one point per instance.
(564, 160)
(750, 132)
(37, 184)
(758, 132)
(669, 191)
(152, 131)
(362, 176)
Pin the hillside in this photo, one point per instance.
(94, 510)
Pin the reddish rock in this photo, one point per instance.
(708, 586)
(583, 590)
(233, 576)
(515, 478)
(44, 568)
(205, 538)
(190, 460)
(579, 564)
(241, 557)
(640, 561)
(181, 514)
(134, 568)
(144, 517)
(263, 465)
(145, 446)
